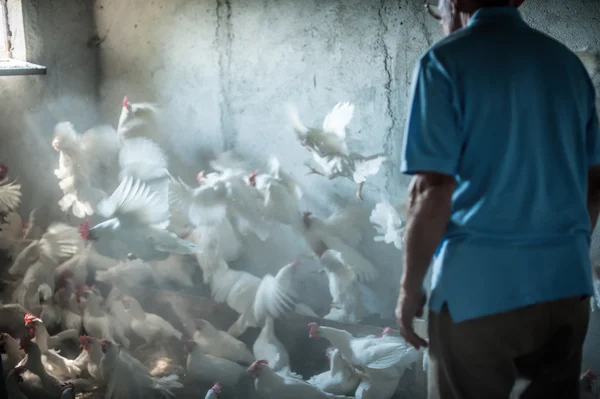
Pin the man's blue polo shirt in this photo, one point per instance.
(510, 113)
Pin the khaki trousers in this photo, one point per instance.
(482, 358)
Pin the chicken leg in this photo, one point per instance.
(313, 171)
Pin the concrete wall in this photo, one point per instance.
(223, 70)
(56, 35)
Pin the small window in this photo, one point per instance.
(3, 32)
(13, 58)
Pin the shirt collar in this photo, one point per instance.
(495, 14)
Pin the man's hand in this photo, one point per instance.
(410, 305)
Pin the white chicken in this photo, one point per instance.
(137, 120)
(269, 348)
(383, 383)
(389, 225)
(59, 243)
(37, 329)
(251, 296)
(221, 241)
(10, 193)
(33, 363)
(51, 313)
(139, 217)
(220, 344)
(348, 305)
(142, 159)
(98, 323)
(36, 287)
(127, 272)
(71, 318)
(113, 305)
(86, 166)
(94, 350)
(16, 233)
(341, 232)
(368, 352)
(329, 148)
(219, 196)
(280, 192)
(76, 269)
(207, 368)
(126, 377)
(340, 379)
(150, 327)
(271, 385)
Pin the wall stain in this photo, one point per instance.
(224, 39)
(388, 141)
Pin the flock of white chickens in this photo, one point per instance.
(118, 182)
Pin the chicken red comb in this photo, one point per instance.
(296, 262)
(84, 339)
(28, 317)
(3, 167)
(313, 329)
(84, 229)
(217, 388)
(306, 214)
(126, 102)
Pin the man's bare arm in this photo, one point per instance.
(429, 207)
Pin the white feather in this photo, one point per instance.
(10, 196)
(337, 120)
(389, 225)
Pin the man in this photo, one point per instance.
(503, 143)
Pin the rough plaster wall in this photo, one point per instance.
(223, 70)
(56, 35)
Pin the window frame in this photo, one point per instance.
(10, 65)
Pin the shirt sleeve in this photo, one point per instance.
(593, 137)
(433, 138)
